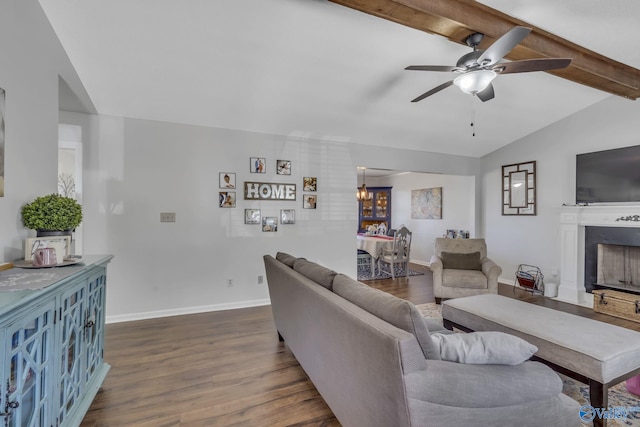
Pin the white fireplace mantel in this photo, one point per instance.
(573, 220)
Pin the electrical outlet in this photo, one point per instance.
(229, 283)
(260, 280)
(167, 217)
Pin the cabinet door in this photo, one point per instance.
(28, 369)
(94, 331)
(72, 350)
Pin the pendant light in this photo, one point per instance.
(363, 193)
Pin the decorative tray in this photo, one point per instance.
(28, 264)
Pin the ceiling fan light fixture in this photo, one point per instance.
(475, 81)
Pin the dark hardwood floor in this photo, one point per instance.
(227, 368)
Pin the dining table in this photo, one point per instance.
(373, 245)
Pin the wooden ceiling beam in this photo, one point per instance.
(456, 19)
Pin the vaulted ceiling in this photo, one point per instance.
(317, 69)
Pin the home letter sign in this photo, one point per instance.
(269, 191)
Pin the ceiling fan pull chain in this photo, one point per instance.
(473, 118)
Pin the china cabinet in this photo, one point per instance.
(375, 210)
(53, 341)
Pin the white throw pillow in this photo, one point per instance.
(483, 348)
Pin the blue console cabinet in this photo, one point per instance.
(53, 343)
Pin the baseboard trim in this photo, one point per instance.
(186, 310)
(506, 281)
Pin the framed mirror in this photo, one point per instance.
(519, 189)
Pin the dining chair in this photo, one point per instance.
(397, 254)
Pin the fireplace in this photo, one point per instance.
(612, 258)
(582, 228)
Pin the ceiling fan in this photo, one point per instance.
(478, 68)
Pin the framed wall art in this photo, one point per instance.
(227, 180)
(283, 167)
(257, 165)
(426, 203)
(519, 189)
(252, 216)
(270, 223)
(2, 95)
(227, 199)
(309, 183)
(309, 201)
(288, 216)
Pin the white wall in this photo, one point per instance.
(31, 61)
(135, 169)
(535, 240)
(458, 207)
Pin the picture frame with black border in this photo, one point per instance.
(257, 165)
(270, 224)
(283, 167)
(227, 199)
(309, 183)
(252, 216)
(287, 216)
(309, 201)
(227, 180)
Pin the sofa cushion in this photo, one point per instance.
(317, 273)
(286, 258)
(398, 312)
(460, 261)
(484, 348)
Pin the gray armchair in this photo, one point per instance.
(461, 268)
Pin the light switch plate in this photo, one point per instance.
(167, 217)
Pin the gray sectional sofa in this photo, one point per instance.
(372, 358)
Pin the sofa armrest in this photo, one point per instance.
(482, 386)
(492, 271)
(435, 264)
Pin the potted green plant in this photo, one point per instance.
(52, 214)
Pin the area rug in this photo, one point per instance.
(625, 406)
(364, 273)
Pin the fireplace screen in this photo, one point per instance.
(619, 266)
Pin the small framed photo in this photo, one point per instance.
(270, 223)
(252, 216)
(288, 216)
(283, 167)
(61, 244)
(309, 201)
(257, 165)
(227, 199)
(227, 180)
(309, 183)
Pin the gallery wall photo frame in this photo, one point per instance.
(309, 183)
(287, 216)
(309, 201)
(227, 199)
(257, 165)
(270, 224)
(252, 216)
(227, 180)
(283, 167)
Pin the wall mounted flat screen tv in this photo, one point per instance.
(610, 176)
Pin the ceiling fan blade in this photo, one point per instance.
(503, 45)
(431, 68)
(527, 65)
(487, 94)
(432, 91)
